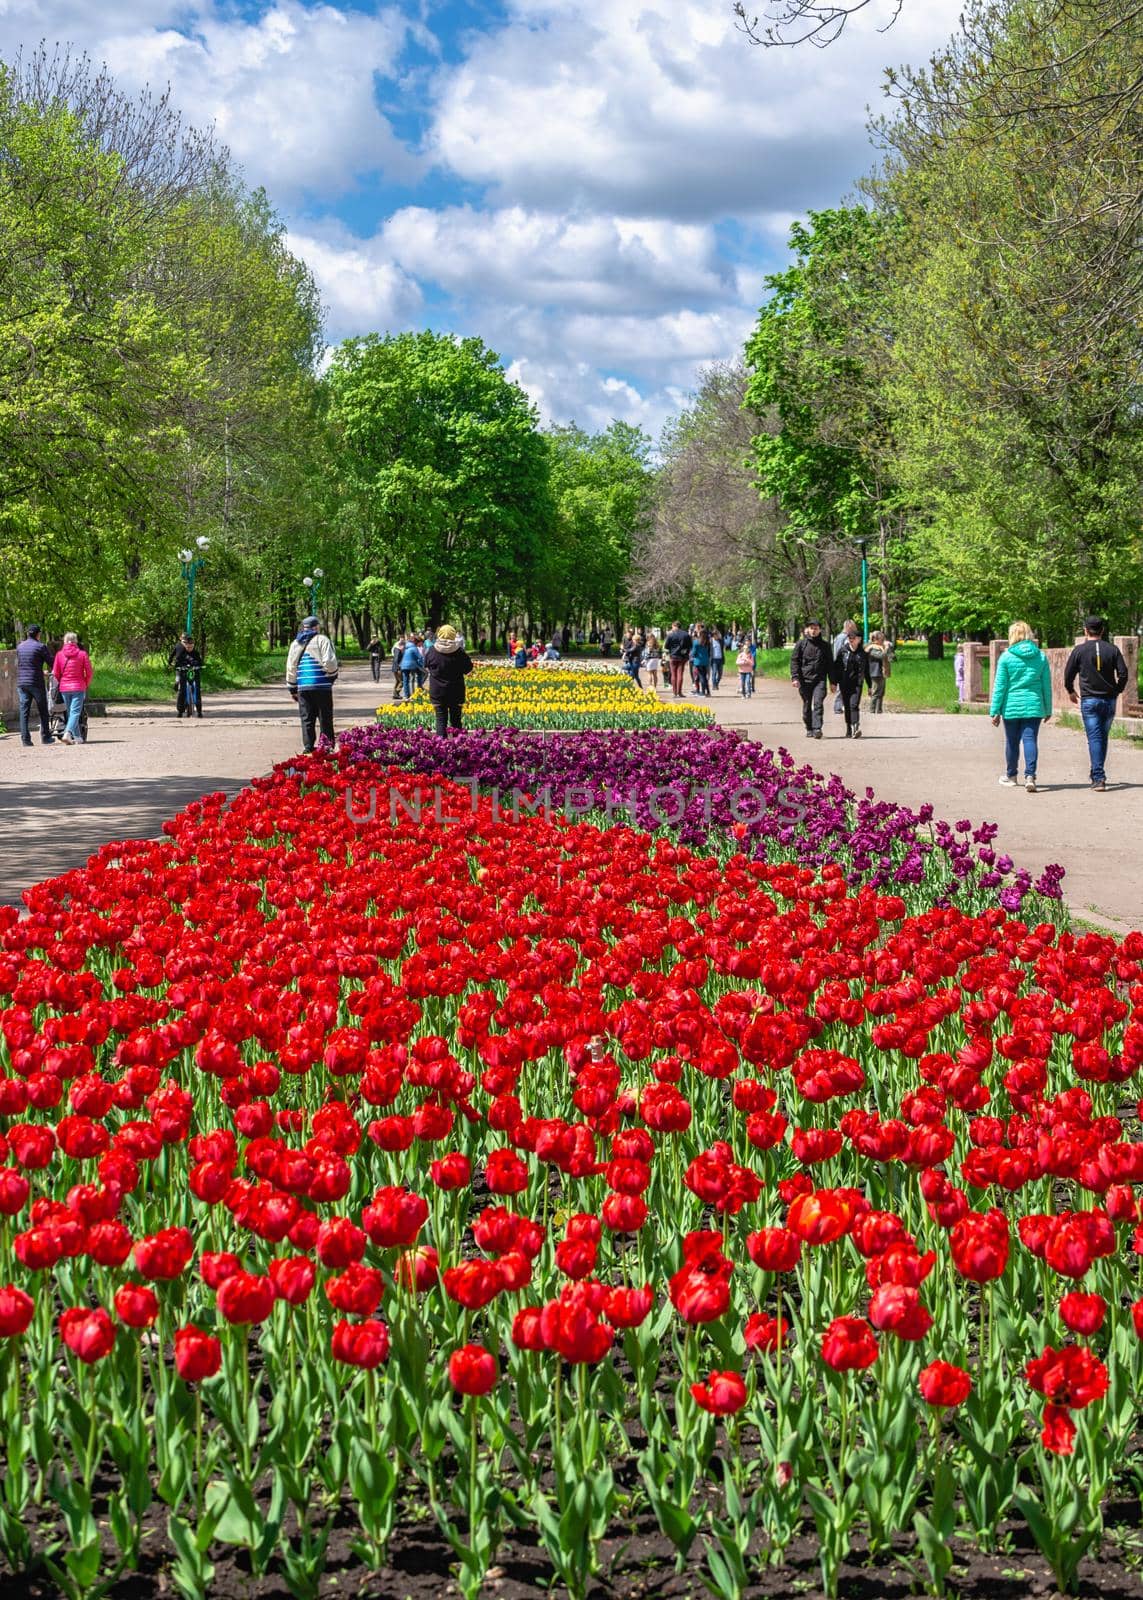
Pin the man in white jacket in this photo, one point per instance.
(311, 671)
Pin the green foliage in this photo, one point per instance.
(601, 485)
(1015, 375)
(157, 347)
(445, 474)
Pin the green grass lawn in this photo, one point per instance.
(916, 683)
(152, 680)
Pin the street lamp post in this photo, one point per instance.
(312, 586)
(190, 562)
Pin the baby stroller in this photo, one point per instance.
(57, 712)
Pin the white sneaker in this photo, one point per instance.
(66, 738)
(1030, 785)
(1009, 783)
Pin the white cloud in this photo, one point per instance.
(660, 107)
(362, 289)
(291, 92)
(593, 263)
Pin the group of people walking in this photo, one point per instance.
(850, 665)
(70, 678)
(1022, 698)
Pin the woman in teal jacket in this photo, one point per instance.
(1022, 696)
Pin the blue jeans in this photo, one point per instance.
(716, 671)
(1098, 713)
(1021, 731)
(746, 683)
(73, 699)
(409, 676)
(36, 696)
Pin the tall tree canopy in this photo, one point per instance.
(448, 474)
(157, 355)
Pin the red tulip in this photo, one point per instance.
(472, 1370)
(942, 1384)
(90, 1335)
(198, 1355)
(16, 1311)
(723, 1393)
(1083, 1313)
(136, 1306)
(246, 1298)
(360, 1344)
(849, 1345)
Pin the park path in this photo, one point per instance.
(141, 765)
(956, 763)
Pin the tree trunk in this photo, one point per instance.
(882, 574)
(436, 609)
(936, 644)
(492, 623)
(774, 634)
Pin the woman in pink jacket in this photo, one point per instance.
(72, 671)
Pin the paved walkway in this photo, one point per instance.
(141, 765)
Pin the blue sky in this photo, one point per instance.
(597, 188)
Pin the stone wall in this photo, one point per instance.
(9, 701)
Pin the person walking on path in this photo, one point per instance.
(959, 674)
(853, 675)
(744, 666)
(187, 662)
(652, 655)
(717, 656)
(448, 664)
(700, 661)
(1103, 675)
(72, 671)
(1022, 699)
(678, 647)
(812, 669)
(311, 672)
(412, 666)
(376, 651)
(632, 655)
(839, 642)
(397, 652)
(32, 660)
(879, 670)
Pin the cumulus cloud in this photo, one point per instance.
(587, 262)
(362, 288)
(292, 91)
(659, 107)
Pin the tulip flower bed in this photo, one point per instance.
(550, 697)
(529, 1181)
(717, 786)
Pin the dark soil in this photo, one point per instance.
(637, 1563)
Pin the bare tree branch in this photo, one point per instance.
(793, 22)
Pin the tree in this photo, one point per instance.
(448, 472)
(790, 22)
(157, 346)
(818, 359)
(715, 543)
(1018, 429)
(602, 486)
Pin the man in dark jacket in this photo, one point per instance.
(33, 659)
(677, 644)
(812, 669)
(448, 664)
(187, 662)
(852, 667)
(1103, 675)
